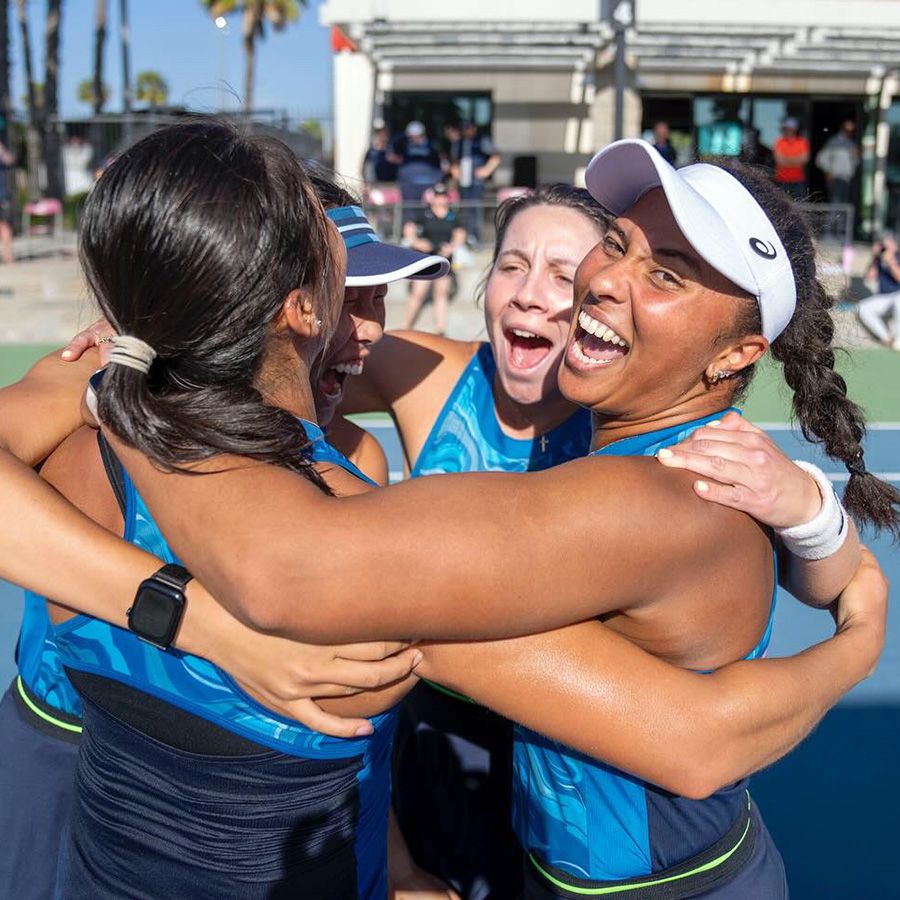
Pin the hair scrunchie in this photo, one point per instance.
(131, 352)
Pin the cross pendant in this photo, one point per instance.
(544, 443)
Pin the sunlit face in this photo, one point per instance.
(528, 297)
(360, 325)
(650, 318)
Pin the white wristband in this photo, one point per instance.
(823, 535)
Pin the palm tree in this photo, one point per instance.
(4, 74)
(152, 88)
(86, 93)
(100, 92)
(255, 14)
(52, 149)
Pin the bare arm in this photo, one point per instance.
(442, 556)
(39, 412)
(591, 689)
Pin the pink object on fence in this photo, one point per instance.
(46, 206)
(384, 196)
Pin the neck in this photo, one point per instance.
(284, 382)
(529, 420)
(608, 429)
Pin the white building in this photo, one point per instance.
(538, 76)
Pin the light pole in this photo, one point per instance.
(622, 18)
(222, 28)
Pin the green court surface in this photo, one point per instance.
(873, 377)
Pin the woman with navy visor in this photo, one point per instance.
(468, 574)
(454, 527)
(42, 710)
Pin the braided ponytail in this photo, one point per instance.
(821, 406)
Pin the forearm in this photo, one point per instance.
(817, 582)
(39, 412)
(93, 571)
(691, 734)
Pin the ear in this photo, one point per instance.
(298, 317)
(735, 357)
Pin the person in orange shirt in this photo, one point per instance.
(791, 156)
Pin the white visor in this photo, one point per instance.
(717, 215)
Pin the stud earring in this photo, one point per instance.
(721, 375)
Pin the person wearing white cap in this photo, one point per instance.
(459, 571)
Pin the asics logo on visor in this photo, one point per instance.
(763, 248)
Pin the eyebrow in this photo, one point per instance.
(553, 260)
(687, 259)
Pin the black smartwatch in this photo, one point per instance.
(159, 605)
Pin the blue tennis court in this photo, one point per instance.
(831, 805)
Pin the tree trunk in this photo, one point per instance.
(33, 131)
(99, 42)
(98, 150)
(126, 68)
(251, 26)
(52, 148)
(5, 105)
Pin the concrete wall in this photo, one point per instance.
(335, 12)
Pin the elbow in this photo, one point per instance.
(697, 781)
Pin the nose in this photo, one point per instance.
(530, 294)
(609, 280)
(368, 329)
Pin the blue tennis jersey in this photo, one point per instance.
(591, 821)
(198, 686)
(468, 438)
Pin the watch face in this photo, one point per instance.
(155, 612)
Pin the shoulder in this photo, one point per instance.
(76, 470)
(360, 447)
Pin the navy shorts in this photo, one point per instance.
(453, 793)
(37, 776)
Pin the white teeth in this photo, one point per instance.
(518, 332)
(350, 368)
(582, 357)
(599, 330)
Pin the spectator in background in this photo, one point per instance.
(662, 143)
(376, 165)
(838, 159)
(418, 167)
(473, 160)
(755, 153)
(6, 207)
(440, 233)
(791, 156)
(874, 311)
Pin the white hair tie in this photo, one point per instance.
(131, 352)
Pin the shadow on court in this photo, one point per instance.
(831, 806)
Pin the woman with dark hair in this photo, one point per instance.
(463, 524)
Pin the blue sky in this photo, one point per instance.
(178, 39)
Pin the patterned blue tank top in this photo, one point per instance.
(468, 438)
(94, 646)
(586, 820)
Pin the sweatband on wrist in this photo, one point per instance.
(826, 532)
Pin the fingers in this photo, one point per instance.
(358, 675)
(86, 339)
(734, 495)
(308, 713)
(721, 468)
(371, 650)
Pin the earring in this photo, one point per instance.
(721, 375)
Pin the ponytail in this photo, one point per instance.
(825, 413)
(191, 241)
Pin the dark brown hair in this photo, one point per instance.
(557, 194)
(191, 241)
(806, 351)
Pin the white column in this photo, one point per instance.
(354, 94)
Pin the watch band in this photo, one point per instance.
(173, 575)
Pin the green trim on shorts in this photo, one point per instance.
(450, 693)
(66, 726)
(650, 883)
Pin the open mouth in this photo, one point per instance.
(525, 349)
(596, 344)
(331, 381)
